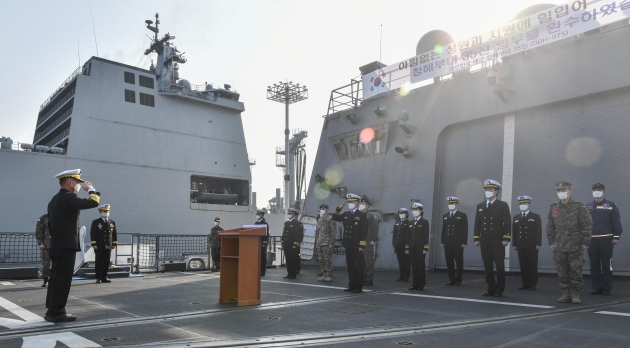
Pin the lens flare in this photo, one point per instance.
(582, 152)
(438, 49)
(321, 191)
(334, 175)
(366, 135)
(404, 90)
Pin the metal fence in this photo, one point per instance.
(19, 248)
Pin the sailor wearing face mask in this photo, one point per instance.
(606, 233)
(292, 236)
(454, 239)
(103, 234)
(418, 246)
(326, 232)
(372, 237)
(260, 220)
(569, 233)
(399, 241)
(215, 244)
(493, 224)
(355, 230)
(527, 239)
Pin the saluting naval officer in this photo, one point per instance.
(42, 233)
(215, 244)
(527, 239)
(606, 233)
(418, 246)
(260, 220)
(399, 241)
(63, 212)
(493, 224)
(355, 230)
(569, 233)
(292, 236)
(454, 239)
(372, 238)
(103, 234)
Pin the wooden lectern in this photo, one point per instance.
(240, 264)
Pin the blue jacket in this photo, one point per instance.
(606, 219)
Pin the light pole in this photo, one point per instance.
(287, 93)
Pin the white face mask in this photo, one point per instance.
(362, 207)
(322, 212)
(77, 187)
(489, 194)
(216, 223)
(563, 195)
(451, 207)
(415, 213)
(351, 206)
(105, 215)
(401, 216)
(258, 217)
(598, 194)
(523, 207)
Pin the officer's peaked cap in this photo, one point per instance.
(352, 197)
(403, 211)
(492, 183)
(104, 207)
(417, 205)
(261, 211)
(452, 199)
(293, 211)
(524, 199)
(73, 173)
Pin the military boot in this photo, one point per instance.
(566, 296)
(320, 279)
(328, 279)
(575, 296)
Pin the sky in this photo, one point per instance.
(249, 44)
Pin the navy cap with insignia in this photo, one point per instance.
(325, 206)
(403, 211)
(492, 183)
(524, 199)
(563, 185)
(293, 211)
(261, 211)
(417, 205)
(365, 199)
(73, 173)
(352, 197)
(104, 207)
(452, 199)
(598, 186)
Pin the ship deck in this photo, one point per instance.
(182, 309)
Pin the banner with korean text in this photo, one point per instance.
(542, 28)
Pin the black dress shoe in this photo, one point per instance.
(106, 280)
(45, 285)
(368, 283)
(291, 277)
(596, 292)
(413, 288)
(286, 276)
(60, 318)
(488, 293)
(348, 290)
(498, 294)
(532, 288)
(420, 289)
(357, 291)
(98, 281)
(606, 292)
(450, 283)
(399, 279)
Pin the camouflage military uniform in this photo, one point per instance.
(568, 228)
(368, 252)
(215, 246)
(326, 232)
(43, 238)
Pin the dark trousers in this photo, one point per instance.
(404, 264)
(60, 280)
(216, 258)
(263, 261)
(454, 254)
(102, 259)
(493, 254)
(528, 260)
(292, 259)
(418, 269)
(354, 263)
(600, 253)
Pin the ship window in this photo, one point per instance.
(361, 143)
(130, 96)
(130, 78)
(147, 99)
(145, 81)
(214, 190)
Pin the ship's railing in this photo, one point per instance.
(58, 138)
(345, 97)
(54, 125)
(64, 84)
(56, 107)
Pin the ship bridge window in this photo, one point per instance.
(130, 78)
(145, 81)
(130, 96)
(360, 143)
(147, 99)
(215, 190)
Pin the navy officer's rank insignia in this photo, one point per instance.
(100, 226)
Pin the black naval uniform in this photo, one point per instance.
(399, 240)
(263, 250)
(527, 234)
(63, 212)
(355, 230)
(417, 243)
(292, 236)
(454, 234)
(215, 247)
(103, 234)
(492, 227)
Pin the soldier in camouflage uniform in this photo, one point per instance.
(43, 242)
(569, 233)
(326, 233)
(372, 238)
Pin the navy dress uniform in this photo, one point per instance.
(526, 240)
(354, 239)
(103, 234)
(493, 225)
(215, 244)
(260, 213)
(418, 246)
(606, 232)
(399, 241)
(292, 236)
(454, 238)
(63, 214)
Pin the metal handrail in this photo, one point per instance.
(56, 107)
(54, 125)
(59, 137)
(64, 84)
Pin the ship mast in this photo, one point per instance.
(168, 55)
